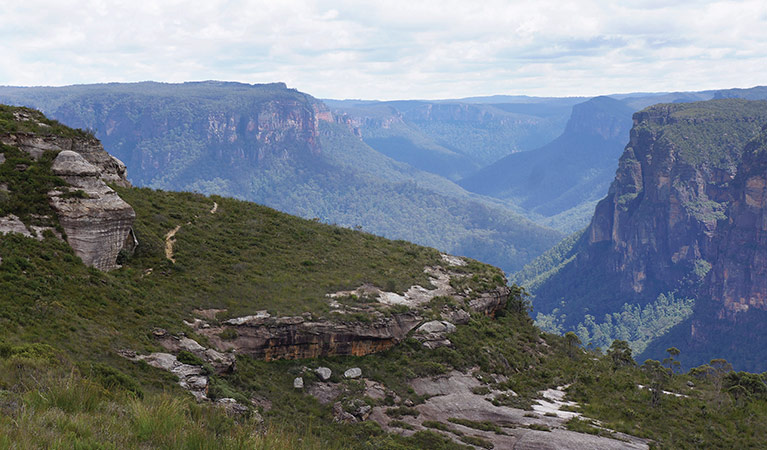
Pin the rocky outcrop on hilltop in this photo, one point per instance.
(97, 222)
(296, 337)
(110, 169)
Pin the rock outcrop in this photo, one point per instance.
(110, 169)
(296, 337)
(97, 222)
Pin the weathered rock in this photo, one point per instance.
(97, 222)
(452, 396)
(375, 390)
(339, 415)
(354, 372)
(257, 319)
(233, 408)
(456, 316)
(298, 383)
(433, 334)
(190, 377)
(294, 338)
(324, 392)
(436, 326)
(488, 303)
(110, 169)
(363, 412)
(222, 362)
(324, 373)
(12, 224)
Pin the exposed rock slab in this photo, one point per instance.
(452, 397)
(12, 224)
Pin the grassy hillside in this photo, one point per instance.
(170, 137)
(62, 385)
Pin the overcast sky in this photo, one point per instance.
(392, 49)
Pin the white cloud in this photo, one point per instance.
(393, 48)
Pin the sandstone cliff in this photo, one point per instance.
(166, 133)
(739, 276)
(686, 214)
(662, 220)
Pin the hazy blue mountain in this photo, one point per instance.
(285, 149)
(564, 175)
(455, 138)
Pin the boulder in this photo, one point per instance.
(354, 372)
(324, 373)
(433, 334)
(298, 383)
(96, 220)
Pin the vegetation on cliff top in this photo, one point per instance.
(707, 133)
(18, 119)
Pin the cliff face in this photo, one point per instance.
(739, 277)
(167, 134)
(662, 224)
(686, 214)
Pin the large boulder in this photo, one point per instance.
(97, 222)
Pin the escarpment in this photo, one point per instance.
(685, 214)
(176, 135)
(661, 221)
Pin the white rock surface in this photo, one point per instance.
(354, 372)
(324, 373)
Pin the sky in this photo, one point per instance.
(393, 49)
